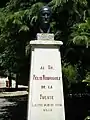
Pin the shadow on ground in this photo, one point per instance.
(15, 110)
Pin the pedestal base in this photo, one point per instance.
(46, 100)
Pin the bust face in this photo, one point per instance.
(45, 15)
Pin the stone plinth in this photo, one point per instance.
(45, 36)
(46, 88)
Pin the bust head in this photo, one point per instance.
(45, 17)
(45, 14)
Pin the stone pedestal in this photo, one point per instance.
(46, 101)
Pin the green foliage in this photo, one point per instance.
(81, 33)
(18, 19)
(15, 25)
(70, 72)
(87, 79)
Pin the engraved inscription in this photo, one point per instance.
(43, 97)
(44, 77)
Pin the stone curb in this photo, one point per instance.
(13, 94)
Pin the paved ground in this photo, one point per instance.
(13, 108)
(3, 104)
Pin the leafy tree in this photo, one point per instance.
(18, 20)
(80, 34)
(70, 72)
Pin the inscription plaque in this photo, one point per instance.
(45, 36)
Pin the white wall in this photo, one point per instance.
(3, 82)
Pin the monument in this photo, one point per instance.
(46, 99)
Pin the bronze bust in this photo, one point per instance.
(44, 19)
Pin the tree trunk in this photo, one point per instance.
(17, 77)
(10, 80)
